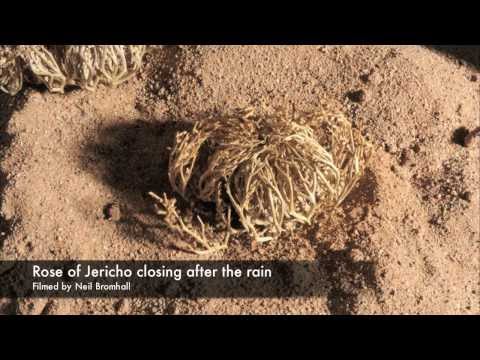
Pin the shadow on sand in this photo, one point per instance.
(8, 105)
(465, 55)
(133, 159)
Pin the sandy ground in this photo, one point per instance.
(407, 239)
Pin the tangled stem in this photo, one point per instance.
(58, 66)
(274, 172)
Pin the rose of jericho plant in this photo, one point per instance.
(272, 172)
(60, 65)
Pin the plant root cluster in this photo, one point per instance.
(58, 66)
(273, 173)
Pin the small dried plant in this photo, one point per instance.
(11, 79)
(61, 65)
(274, 172)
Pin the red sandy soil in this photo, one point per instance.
(407, 239)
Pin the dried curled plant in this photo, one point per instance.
(274, 172)
(60, 65)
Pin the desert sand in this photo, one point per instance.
(407, 238)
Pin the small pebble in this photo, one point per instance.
(467, 196)
(470, 136)
(365, 78)
(416, 148)
(112, 212)
(122, 306)
(358, 96)
(459, 136)
(404, 158)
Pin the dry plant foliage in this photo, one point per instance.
(60, 65)
(274, 172)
